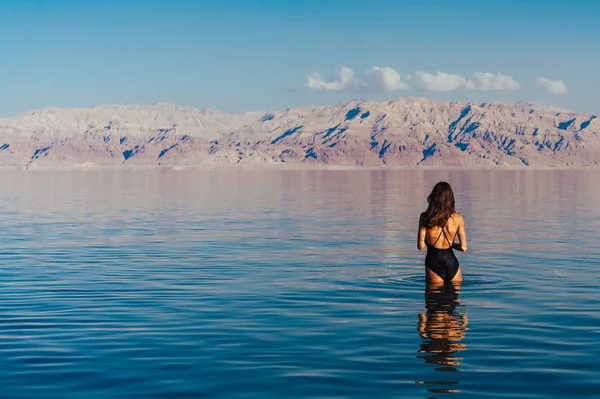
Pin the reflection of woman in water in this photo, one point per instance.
(441, 328)
(440, 219)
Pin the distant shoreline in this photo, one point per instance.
(282, 167)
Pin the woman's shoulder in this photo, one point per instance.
(457, 217)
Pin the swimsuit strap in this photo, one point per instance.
(446, 237)
(444, 233)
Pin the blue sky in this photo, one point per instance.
(237, 55)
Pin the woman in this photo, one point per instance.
(438, 226)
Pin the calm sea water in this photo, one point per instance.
(304, 284)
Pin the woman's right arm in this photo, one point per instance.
(462, 236)
(421, 234)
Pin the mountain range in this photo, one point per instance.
(407, 132)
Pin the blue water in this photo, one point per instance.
(307, 284)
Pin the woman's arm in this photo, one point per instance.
(462, 236)
(421, 234)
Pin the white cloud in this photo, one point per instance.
(488, 81)
(441, 81)
(553, 86)
(377, 79)
(485, 81)
(386, 79)
(344, 76)
(381, 80)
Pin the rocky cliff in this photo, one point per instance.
(405, 132)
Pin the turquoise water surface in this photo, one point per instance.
(305, 284)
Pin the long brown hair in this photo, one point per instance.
(441, 205)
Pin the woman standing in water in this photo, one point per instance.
(441, 220)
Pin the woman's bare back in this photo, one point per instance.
(437, 239)
(455, 226)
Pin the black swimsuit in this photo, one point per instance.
(441, 261)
